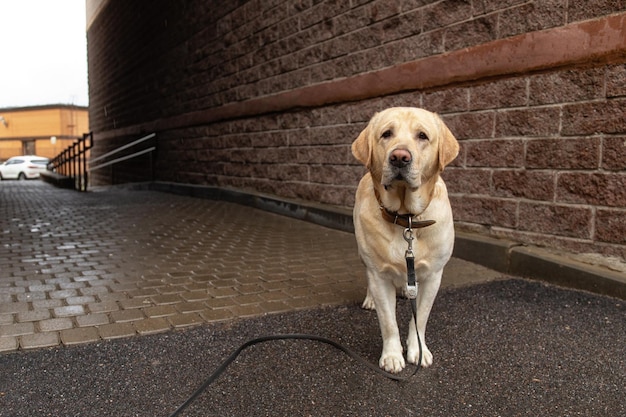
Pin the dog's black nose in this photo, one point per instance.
(400, 158)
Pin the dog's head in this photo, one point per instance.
(405, 144)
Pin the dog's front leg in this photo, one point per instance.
(426, 297)
(384, 294)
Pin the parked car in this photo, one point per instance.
(23, 167)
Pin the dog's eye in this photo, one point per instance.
(387, 134)
(422, 136)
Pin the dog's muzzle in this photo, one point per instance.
(400, 158)
(399, 167)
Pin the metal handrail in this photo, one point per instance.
(116, 151)
(123, 158)
(72, 162)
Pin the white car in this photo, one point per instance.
(23, 167)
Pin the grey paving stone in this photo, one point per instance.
(123, 316)
(116, 330)
(16, 329)
(57, 324)
(33, 315)
(92, 320)
(8, 343)
(185, 320)
(151, 325)
(39, 340)
(120, 258)
(69, 311)
(78, 336)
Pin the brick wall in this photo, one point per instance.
(547, 163)
(268, 95)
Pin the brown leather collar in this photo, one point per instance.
(404, 220)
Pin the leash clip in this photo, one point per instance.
(408, 237)
(411, 284)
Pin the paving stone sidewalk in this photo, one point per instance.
(82, 267)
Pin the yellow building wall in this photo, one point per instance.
(44, 147)
(10, 148)
(28, 130)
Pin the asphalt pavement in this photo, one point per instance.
(505, 348)
(502, 346)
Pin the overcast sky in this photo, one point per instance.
(43, 53)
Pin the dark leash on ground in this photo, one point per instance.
(411, 291)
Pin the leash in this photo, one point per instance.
(411, 283)
(411, 292)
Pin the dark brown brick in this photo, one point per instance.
(495, 153)
(340, 154)
(501, 93)
(325, 135)
(348, 65)
(533, 185)
(401, 26)
(563, 153)
(336, 174)
(285, 172)
(614, 153)
(320, 12)
(422, 45)
(237, 169)
(583, 9)
(555, 219)
(567, 86)
(336, 195)
(471, 125)
(487, 6)
(468, 181)
(484, 210)
(595, 117)
(449, 100)
(610, 226)
(349, 21)
(531, 17)
(599, 189)
(264, 155)
(512, 92)
(445, 13)
(256, 124)
(264, 140)
(528, 122)
(616, 81)
(473, 32)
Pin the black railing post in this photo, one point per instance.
(72, 161)
(87, 136)
(80, 165)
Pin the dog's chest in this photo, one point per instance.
(397, 250)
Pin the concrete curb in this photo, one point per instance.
(502, 255)
(533, 262)
(57, 180)
(323, 215)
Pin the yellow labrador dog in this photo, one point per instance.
(405, 149)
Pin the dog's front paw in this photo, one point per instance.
(392, 362)
(368, 303)
(412, 355)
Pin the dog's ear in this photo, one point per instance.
(361, 148)
(448, 146)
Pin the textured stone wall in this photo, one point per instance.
(267, 96)
(545, 163)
